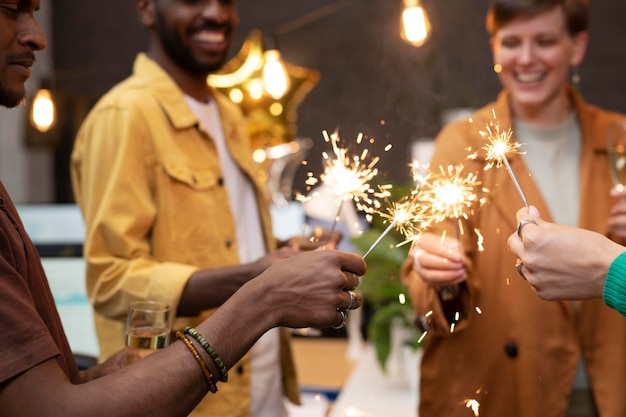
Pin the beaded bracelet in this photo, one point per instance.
(209, 349)
(205, 370)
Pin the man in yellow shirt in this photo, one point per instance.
(163, 174)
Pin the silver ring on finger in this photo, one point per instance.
(353, 300)
(523, 223)
(519, 265)
(344, 320)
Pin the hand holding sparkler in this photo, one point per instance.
(451, 195)
(438, 259)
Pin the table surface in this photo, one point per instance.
(364, 389)
(369, 392)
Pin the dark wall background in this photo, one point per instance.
(371, 81)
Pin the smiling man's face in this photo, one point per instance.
(20, 37)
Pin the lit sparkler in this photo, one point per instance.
(499, 144)
(434, 199)
(450, 194)
(349, 176)
(408, 215)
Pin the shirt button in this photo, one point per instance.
(220, 181)
(511, 349)
(228, 244)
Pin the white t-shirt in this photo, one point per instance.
(265, 371)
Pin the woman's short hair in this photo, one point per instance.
(501, 12)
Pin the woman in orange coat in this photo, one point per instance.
(493, 339)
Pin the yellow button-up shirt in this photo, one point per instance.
(147, 178)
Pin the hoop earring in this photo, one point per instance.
(575, 77)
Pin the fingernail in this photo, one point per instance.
(534, 211)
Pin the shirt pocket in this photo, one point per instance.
(196, 179)
(193, 210)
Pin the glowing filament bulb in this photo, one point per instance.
(415, 24)
(43, 111)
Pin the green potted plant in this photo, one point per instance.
(382, 289)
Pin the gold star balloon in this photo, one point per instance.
(272, 119)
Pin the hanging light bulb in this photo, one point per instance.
(43, 111)
(275, 74)
(274, 71)
(415, 24)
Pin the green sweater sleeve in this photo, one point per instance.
(615, 284)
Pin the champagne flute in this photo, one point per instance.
(616, 151)
(148, 327)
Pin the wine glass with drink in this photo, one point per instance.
(616, 151)
(148, 328)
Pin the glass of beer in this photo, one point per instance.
(148, 327)
(616, 151)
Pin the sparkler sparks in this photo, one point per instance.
(407, 215)
(499, 144)
(473, 405)
(480, 240)
(436, 197)
(450, 194)
(349, 176)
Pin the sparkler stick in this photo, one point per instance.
(499, 144)
(382, 235)
(514, 178)
(409, 218)
(336, 218)
(459, 231)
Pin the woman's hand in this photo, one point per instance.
(438, 262)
